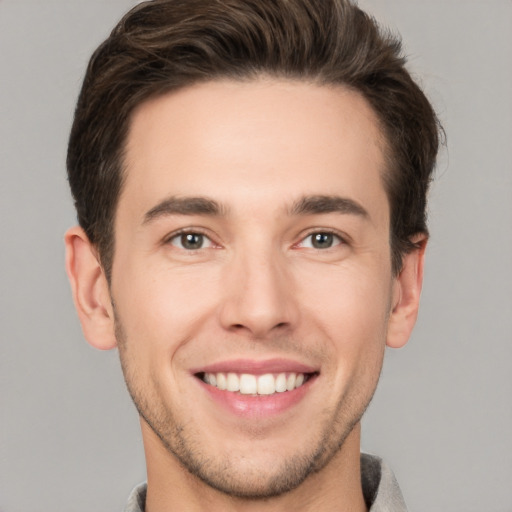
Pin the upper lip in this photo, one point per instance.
(256, 367)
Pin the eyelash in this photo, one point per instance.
(185, 232)
(340, 239)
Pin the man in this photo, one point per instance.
(250, 180)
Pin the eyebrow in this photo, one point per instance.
(318, 204)
(307, 205)
(184, 206)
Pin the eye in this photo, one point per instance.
(321, 240)
(191, 241)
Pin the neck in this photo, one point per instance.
(336, 487)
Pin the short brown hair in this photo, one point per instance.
(164, 45)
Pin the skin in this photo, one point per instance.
(257, 289)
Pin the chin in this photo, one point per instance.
(258, 473)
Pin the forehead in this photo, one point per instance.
(242, 142)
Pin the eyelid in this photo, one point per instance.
(189, 230)
(343, 239)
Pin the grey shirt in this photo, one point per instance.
(380, 488)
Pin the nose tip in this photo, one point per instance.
(258, 299)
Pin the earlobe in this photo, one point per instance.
(90, 290)
(406, 295)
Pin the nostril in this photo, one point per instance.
(242, 327)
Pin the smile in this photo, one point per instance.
(250, 384)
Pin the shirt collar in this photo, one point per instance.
(380, 488)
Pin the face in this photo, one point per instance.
(252, 279)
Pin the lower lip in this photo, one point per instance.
(251, 406)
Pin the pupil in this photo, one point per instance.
(322, 240)
(192, 240)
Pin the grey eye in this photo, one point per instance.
(321, 240)
(191, 241)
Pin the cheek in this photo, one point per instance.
(351, 308)
(160, 307)
(350, 298)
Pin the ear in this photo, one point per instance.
(90, 290)
(406, 295)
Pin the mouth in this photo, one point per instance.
(256, 388)
(256, 384)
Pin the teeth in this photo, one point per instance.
(233, 382)
(266, 384)
(290, 381)
(248, 384)
(221, 380)
(281, 383)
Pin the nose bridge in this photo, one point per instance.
(258, 296)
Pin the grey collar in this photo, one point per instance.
(380, 488)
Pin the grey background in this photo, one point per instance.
(442, 417)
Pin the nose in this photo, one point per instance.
(258, 296)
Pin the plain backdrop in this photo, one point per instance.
(442, 417)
